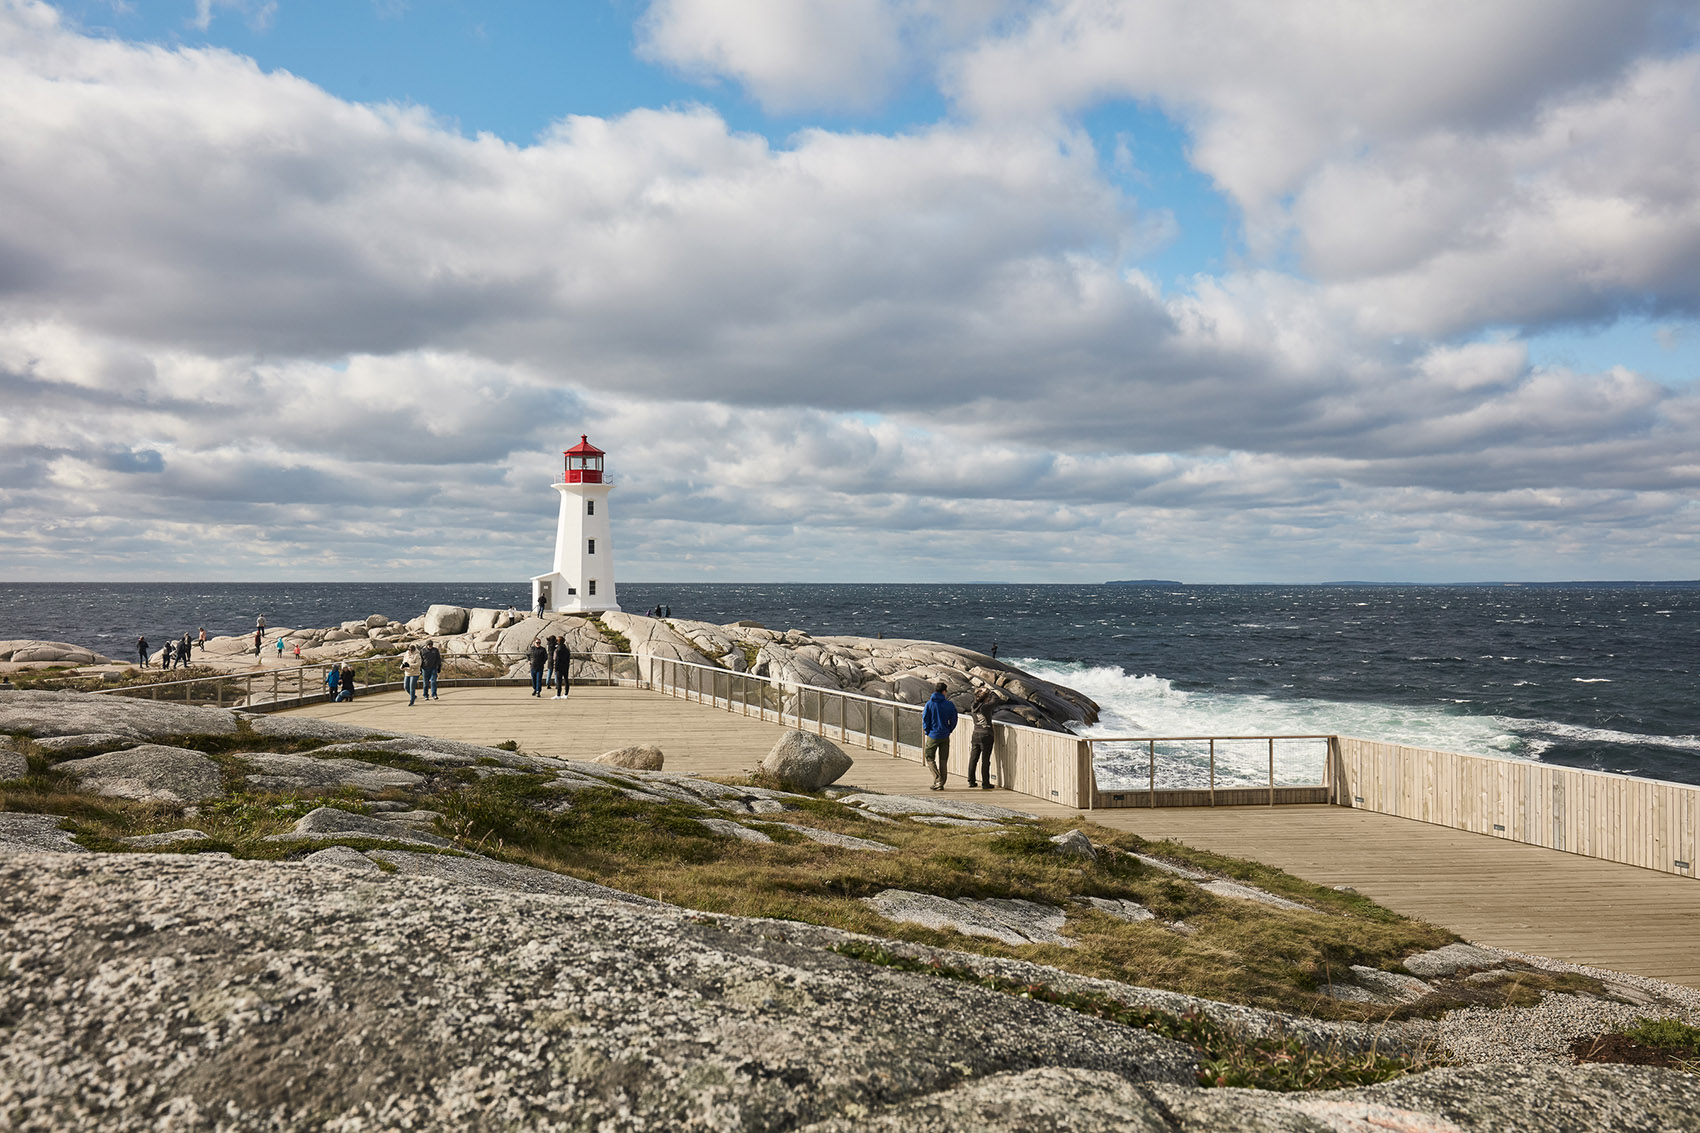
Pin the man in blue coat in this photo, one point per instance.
(938, 721)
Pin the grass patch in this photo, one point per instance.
(1669, 1043)
(618, 640)
(1225, 1057)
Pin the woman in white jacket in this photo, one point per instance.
(410, 673)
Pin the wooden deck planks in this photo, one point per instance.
(1490, 890)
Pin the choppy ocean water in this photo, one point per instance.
(1598, 676)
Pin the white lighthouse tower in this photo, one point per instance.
(583, 579)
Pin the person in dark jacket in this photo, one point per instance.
(562, 658)
(142, 652)
(980, 743)
(333, 677)
(938, 721)
(430, 664)
(185, 649)
(167, 654)
(539, 657)
(346, 691)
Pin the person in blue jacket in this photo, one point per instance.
(332, 677)
(938, 721)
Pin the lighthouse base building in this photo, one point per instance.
(582, 581)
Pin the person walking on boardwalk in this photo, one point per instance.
(562, 660)
(410, 673)
(332, 678)
(430, 664)
(549, 661)
(538, 657)
(938, 721)
(980, 743)
(142, 652)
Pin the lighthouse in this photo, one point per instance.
(582, 581)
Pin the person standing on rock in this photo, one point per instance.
(938, 721)
(142, 652)
(203, 639)
(430, 664)
(410, 673)
(562, 659)
(166, 654)
(538, 657)
(259, 637)
(980, 743)
(185, 650)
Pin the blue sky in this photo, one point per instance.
(1015, 289)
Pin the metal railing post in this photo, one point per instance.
(1271, 770)
(1212, 772)
(1151, 795)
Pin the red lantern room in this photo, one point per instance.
(584, 463)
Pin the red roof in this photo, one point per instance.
(584, 448)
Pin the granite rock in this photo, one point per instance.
(268, 995)
(35, 833)
(284, 772)
(441, 621)
(904, 804)
(638, 757)
(1451, 959)
(802, 761)
(328, 823)
(21, 651)
(37, 713)
(1075, 844)
(149, 771)
(168, 838)
(13, 764)
(1012, 921)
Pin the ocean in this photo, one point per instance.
(1601, 676)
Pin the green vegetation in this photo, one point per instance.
(619, 641)
(1671, 1035)
(1225, 1057)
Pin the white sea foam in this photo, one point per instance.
(1149, 705)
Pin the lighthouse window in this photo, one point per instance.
(590, 507)
(592, 588)
(593, 546)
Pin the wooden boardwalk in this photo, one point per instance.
(1489, 890)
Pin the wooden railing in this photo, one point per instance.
(1618, 818)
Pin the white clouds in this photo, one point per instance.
(342, 333)
(809, 54)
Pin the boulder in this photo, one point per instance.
(374, 621)
(445, 621)
(1074, 844)
(149, 771)
(802, 761)
(481, 618)
(641, 757)
(23, 651)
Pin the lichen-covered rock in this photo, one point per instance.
(1451, 959)
(13, 764)
(269, 995)
(341, 857)
(149, 771)
(1011, 921)
(329, 822)
(1075, 844)
(38, 713)
(802, 761)
(639, 757)
(1242, 892)
(833, 838)
(96, 741)
(904, 804)
(283, 772)
(35, 833)
(168, 838)
(1120, 908)
(471, 869)
(735, 830)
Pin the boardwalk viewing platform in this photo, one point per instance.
(1491, 890)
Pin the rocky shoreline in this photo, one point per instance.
(480, 641)
(384, 971)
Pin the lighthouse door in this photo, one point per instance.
(544, 598)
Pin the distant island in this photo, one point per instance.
(1166, 583)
